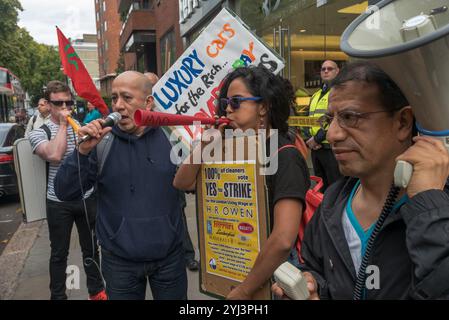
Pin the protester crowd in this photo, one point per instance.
(127, 200)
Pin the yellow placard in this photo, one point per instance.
(231, 223)
(303, 122)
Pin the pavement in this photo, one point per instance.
(10, 219)
(24, 264)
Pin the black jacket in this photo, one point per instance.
(411, 250)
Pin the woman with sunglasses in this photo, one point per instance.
(254, 98)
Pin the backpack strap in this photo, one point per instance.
(286, 147)
(103, 148)
(47, 130)
(34, 119)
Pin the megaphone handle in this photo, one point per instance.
(402, 174)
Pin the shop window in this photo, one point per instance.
(305, 34)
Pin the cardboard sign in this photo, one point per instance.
(191, 85)
(232, 222)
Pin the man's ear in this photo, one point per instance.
(405, 123)
(149, 103)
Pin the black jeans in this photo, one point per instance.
(60, 218)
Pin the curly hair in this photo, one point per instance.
(276, 92)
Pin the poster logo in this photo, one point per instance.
(209, 227)
(213, 263)
(246, 228)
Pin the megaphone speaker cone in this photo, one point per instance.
(409, 40)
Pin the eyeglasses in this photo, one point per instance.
(234, 102)
(60, 103)
(346, 119)
(324, 69)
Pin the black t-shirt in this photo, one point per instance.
(291, 180)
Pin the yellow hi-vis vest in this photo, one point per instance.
(318, 108)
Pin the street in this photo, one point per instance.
(10, 219)
(24, 271)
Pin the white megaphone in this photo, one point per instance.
(409, 40)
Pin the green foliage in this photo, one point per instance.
(35, 64)
(8, 17)
(120, 64)
(108, 101)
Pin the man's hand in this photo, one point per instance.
(63, 114)
(313, 145)
(96, 132)
(312, 286)
(430, 161)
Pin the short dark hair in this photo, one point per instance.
(390, 96)
(56, 86)
(276, 92)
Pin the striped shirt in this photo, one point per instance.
(39, 136)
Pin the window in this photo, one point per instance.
(314, 33)
(104, 5)
(105, 26)
(168, 50)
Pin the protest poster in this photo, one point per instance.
(191, 85)
(232, 220)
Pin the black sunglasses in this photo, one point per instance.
(234, 102)
(60, 103)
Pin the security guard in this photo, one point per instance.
(323, 159)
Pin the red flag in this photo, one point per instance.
(75, 70)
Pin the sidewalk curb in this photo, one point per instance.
(14, 257)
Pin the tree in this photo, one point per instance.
(9, 54)
(8, 17)
(35, 64)
(120, 63)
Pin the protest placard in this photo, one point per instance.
(191, 85)
(233, 221)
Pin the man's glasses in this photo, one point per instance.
(234, 102)
(324, 69)
(60, 103)
(346, 119)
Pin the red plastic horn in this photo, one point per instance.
(146, 118)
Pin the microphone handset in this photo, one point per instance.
(403, 171)
(110, 121)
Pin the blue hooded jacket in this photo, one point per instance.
(139, 216)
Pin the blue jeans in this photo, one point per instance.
(126, 280)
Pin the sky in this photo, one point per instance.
(73, 17)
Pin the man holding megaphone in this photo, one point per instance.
(139, 223)
(369, 239)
